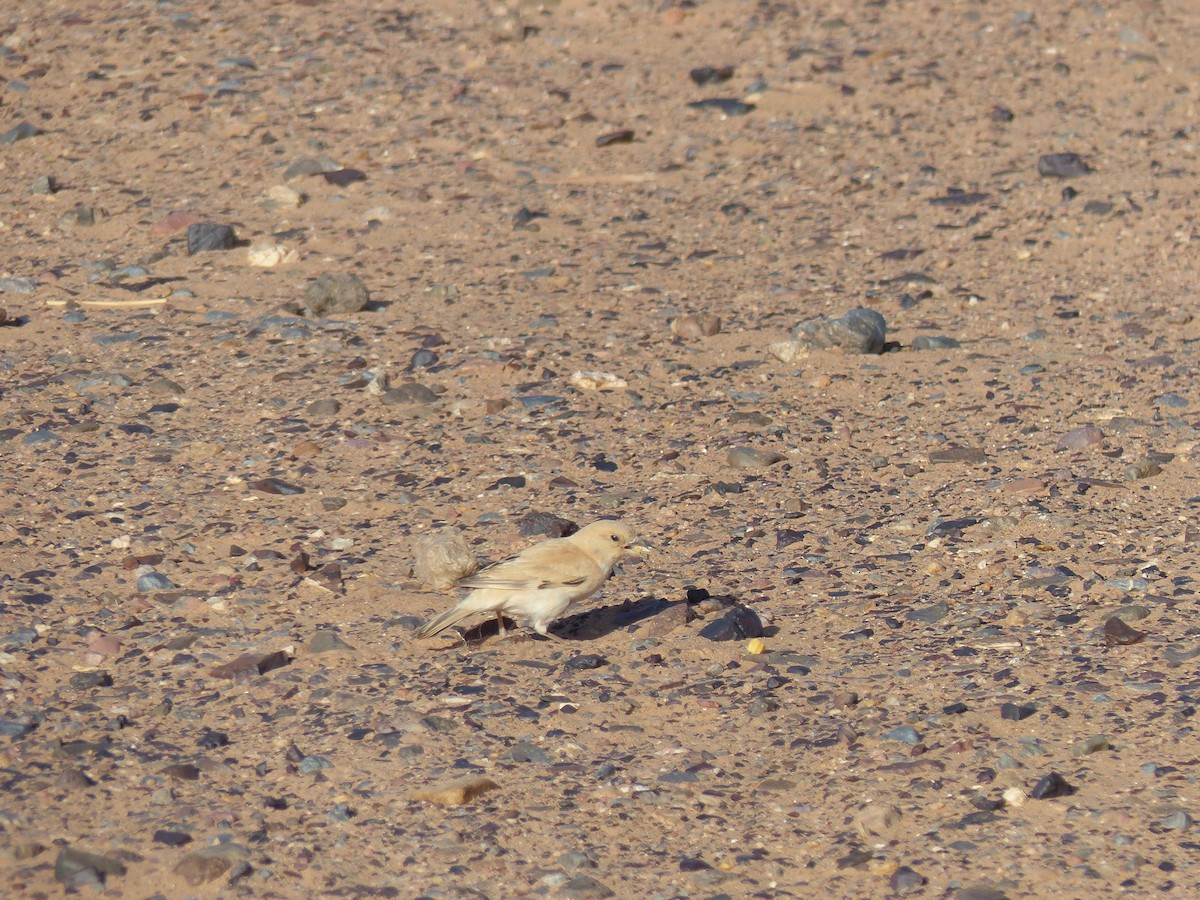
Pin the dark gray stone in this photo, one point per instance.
(739, 623)
(19, 133)
(202, 236)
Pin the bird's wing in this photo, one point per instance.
(549, 565)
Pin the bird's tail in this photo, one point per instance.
(438, 624)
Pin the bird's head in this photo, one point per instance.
(609, 540)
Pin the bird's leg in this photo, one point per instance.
(500, 624)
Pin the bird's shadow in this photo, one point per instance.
(583, 626)
(601, 621)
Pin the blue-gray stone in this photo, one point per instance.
(905, 734)
(934, 342)
(861, 330)
(19, 133)
(108, 340)
(18, 638)
(340, 812)
(41, 436)
(154, 581)
(20, 284)
(736, 624)
(527, 752)
(15, 728)
(1172, 400)
(927, 614)
(311, 764)
(537, 401)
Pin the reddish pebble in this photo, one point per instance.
(1079, 438)
(673, 16)
(1024, 486)
(104, 644)
(176, 221)
(306, 450)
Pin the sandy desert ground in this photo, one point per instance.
(290, 288)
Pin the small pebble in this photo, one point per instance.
(1062, 165)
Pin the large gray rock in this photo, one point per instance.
(335, 292)
(860, 330)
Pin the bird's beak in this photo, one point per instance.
(640, 548)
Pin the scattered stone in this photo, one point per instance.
(1014, 712)
(335, 292)
(344, 177)
(537, 524)
(323, 409)
(861, 330)
(310, 764)
(934, 612)
(1142, 469)
(81, 216)
(1080, 438)
(525, 752)
(410, 393)
(282, 196)
(598, 381)
(205, 236)
(443, 558)
(738, 624)
(1118, 633)
(623, 136)
(585, 661)
(310, 166)
(950, 527)
(44, 184)
(905, 880)
(75, 868)
(1050, 786)
(1093, 744)
(459, 792)
(705, 75)
(172, 838)
(166, 386)
(934, 342)
(274, 486)
(694, 327)
(210, 863)
(19, 133)
(256, 663)
(19, 285)
(584, 887)
(970, 455)
(154, 581)
(752, 458)
(267, 255)
(326, 641)
(1177, 821)
(173, 222)
(1062, 165)
(980, 892)
(879, 819)
(905, 734)
(728, 107)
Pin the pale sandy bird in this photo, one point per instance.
(541, 582)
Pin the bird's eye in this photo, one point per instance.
(616, 538)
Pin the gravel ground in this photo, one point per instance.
(874, 319)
